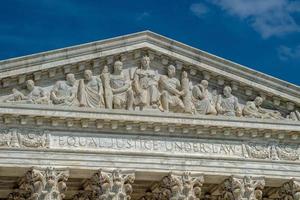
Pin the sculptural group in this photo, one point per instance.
(144, 89)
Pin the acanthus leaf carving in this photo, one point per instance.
(240, 188)
(183, 186)
(290, 190)
(41, 184)
(113, 185)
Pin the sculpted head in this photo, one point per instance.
(30, 85)
(118, 66)
(204, 83)
(258, 101)
(227, 91)
(70, 78)
(145, 62)
(184, 75)
(171, 71)
(88, 75)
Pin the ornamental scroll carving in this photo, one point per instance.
(273, 151)
(24, 138)
(290, 190)
(41, 184)
(114, 185)
(177, 187)
(144, 88)
(240, 188)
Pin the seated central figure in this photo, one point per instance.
(145, 86)
(171, 91)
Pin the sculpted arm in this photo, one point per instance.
(167, 87)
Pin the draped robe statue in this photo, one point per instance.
(201, 98)
(65, 92)
(145, 86)
(253, 109)
(171, 91)
(228, 104)
(90, 91)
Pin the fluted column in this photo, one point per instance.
(107, 185)
(41, 184)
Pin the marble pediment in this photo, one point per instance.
(145, 72)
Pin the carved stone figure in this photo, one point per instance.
(65, 92)
(35, 95)
(182, 187)
(113, 185)
(228, 104)
(187, 94)
(145, 86)
(108, 94)
(235, 188)
(295, 115)
(253, 109)
(121, 88)
(171, 91)
(90, 91)
(46, 184)
(202, 100)
(290, 190)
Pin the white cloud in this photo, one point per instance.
(199, 9)
(143, 15)
(268, 17)
(287, 53)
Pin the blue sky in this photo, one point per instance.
(261, 34)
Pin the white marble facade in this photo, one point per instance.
(145, 117)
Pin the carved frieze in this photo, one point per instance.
(144, 88)
(240, 188)
(24, 138)
(112, 185)
(41, 184)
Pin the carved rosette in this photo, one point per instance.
(173, 186)
(112, 185)
(46, 184)
(290, 190)
(237, 188)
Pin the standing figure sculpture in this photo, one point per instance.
(121, 88)
(65, 92)
(90, 91)
(187, 94)
(171, 91)
(228, 104)
(202, 99)
(253, 109)
(145, 86)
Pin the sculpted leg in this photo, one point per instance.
(130, 100)
(164, 101)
